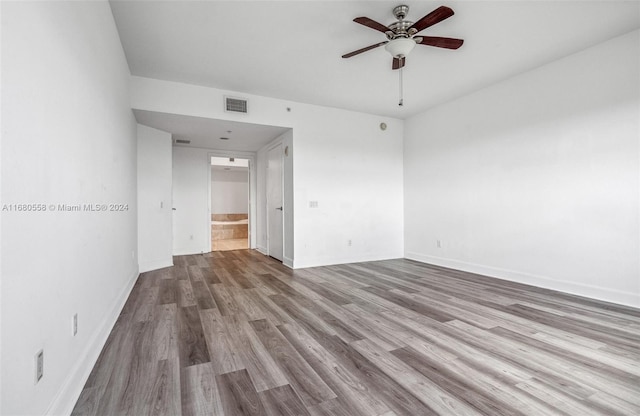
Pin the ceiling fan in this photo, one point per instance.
(401, 37)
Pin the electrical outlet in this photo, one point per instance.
(39, 361)
(313, 204)
(438, 243)
(349, 243)
(75, 324)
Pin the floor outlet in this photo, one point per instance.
(39, 365)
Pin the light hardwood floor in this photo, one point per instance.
(228, 245)
(237, 333)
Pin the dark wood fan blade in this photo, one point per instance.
(372, 24)
(436, 16)
(398, 63)
(449, 43)
(368, 48)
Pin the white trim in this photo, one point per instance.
(328, 261)
(67, 396)
(593, 292)
(262, 250)
(155, 265)
(186, 253)
(287, 261)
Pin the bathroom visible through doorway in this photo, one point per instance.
(229, 203)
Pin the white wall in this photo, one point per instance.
(342, 160)
(288, 199)
(154, 199)
(68, 137)
(229, 192)
(191, 218)
(354, 171)
(535, 179)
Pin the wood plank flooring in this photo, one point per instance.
(231, 244)
(236, 333)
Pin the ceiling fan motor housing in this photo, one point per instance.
(401, 29)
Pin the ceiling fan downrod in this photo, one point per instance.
(401, 101)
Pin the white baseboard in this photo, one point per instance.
(328, 261)
(147, 266)
(189, 253)
(287, 262)
(262, 250)
(594, 292)
(69, 393)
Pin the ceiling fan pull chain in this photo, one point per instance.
(401, 102)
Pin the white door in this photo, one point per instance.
(274, 203)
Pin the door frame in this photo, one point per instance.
(252, 190)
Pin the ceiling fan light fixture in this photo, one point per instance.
(400, 47)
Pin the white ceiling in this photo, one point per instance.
(292, 49)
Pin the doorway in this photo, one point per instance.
(230, 203)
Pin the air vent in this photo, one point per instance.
(180, 141)
(235, 105)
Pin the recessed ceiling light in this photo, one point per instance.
(224, 138)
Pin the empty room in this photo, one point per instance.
(348, 208)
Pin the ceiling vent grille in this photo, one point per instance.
(181, 141)
(235, 105)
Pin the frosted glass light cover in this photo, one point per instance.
(400, 47)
